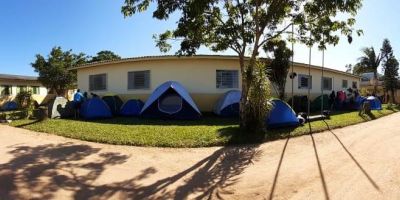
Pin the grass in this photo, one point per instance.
(208, 131)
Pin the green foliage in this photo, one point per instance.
(54, 71)
(25, 101)
(371, 61)
(257, 106)
(105, 55)
(277, 70)
(247, 26)
(391, 68)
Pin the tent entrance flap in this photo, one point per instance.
(170, 103)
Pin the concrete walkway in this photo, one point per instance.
(356, 162)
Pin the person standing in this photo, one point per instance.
(78, 100)
(332, 98)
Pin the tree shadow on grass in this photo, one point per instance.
(373, 183)
(39, 172)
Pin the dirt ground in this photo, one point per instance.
(356, 162)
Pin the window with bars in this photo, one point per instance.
(139, 80)
(227, 79)
(326, 83)
(35, 90)
(345, 84)
(305, 81)
(5, 90)
(98, 82)
(21, 89)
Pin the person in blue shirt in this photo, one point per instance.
(78, 100)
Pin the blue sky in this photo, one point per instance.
(34, 27)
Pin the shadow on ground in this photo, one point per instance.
(39, 172)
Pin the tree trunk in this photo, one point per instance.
(375, 82)
(393, 97)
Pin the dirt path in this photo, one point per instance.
(357, 162)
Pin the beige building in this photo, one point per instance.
(206, 77)
(11, 85)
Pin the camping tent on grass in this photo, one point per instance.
(358, 102)
(60, 107)
(374, 103)
(95, 108)
(170, 100)
(281, 115)
(228, 105)
(114, 103)
(10, 105)
(132, 108)
(316, 104)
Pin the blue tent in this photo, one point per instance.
(228, 105)
(170, 100)
(281, 115)
(374, 103)
(95, 108)
(358, 102)
(132, 108)
(11, 105)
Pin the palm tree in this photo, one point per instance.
(370, 62)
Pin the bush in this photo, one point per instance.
(25, 102)
(259, 93)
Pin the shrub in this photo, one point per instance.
(25, 102)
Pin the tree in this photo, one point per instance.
(349, 68)
(371, 61)
(54, 71)
(245, 26)
(391, 68)
(277, 69)
(105, 55)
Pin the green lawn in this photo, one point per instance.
(209, 131)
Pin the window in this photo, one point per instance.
(5, 90)
(326, 83)
(344, 84)
(227, 79)
(98, 82)
(305, 81)
(21, 89)
(35, 90)
(139, 80)
(354, 85)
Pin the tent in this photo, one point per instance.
(359, 101)
(114, 102)
(60, 107)
(10, 105)
(300, 103)
(95, 108)
(281, 115)
(316, 104)
(228, 105)
(131, 108)
(170, 100)
(374, 102)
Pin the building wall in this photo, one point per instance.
(16, 83)
(316, 74)
(198, 76)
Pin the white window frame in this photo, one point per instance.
(309, 81)
(347, 84)
(323, 82)
(106, 82)
(145, 87)
(219, 76)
